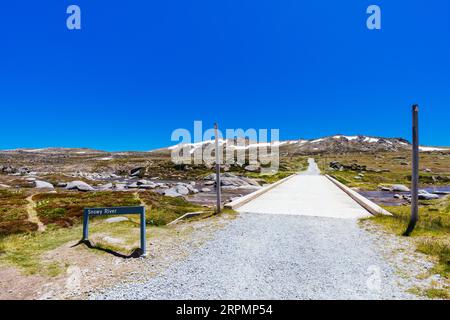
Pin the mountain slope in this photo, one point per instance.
(330, 144)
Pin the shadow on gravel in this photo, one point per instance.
(136, 253)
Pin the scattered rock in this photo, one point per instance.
(147, 186)
(172, 193)
(108, 186)
(145, 182)
(425, 195)
(137, 172)
(120, 186)
(181, 189)
(43, 185)
(79, 185)
(253, 168)
(399, 188)
(441, 192)
(230, 180)
(206, 190)
(336, 165)
(8, 169)
(211, 176)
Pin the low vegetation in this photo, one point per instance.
(161, 210)
(431, 236)
(393, 168)
(432, 230)
(22, 245)
(66, 208)
(13, 213)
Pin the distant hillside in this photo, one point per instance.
(331, 144)
(74, 151)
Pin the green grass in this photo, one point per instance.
(161, 210)
(437, 293)
(66, 208)
(25, 250)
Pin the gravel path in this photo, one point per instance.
(275, 257)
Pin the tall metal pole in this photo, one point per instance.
(218, 182)
(415, 172)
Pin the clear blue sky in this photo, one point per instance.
(140, 69)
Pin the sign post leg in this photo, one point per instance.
(143, 234)
(218, 182)
(85, 225)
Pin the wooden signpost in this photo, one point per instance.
(415, 172)
(88, 212)
(218, 182)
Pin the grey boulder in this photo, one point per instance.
(425, 195)
(172, 193)
(252, 168)
(400, 188)
(79, 185)
(43, 185)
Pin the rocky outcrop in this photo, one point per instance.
(12, 170)
(336, 165)
(253, 168)
(179, 190)
(230, 180)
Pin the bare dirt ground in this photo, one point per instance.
(32, 214)
(88, 269)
